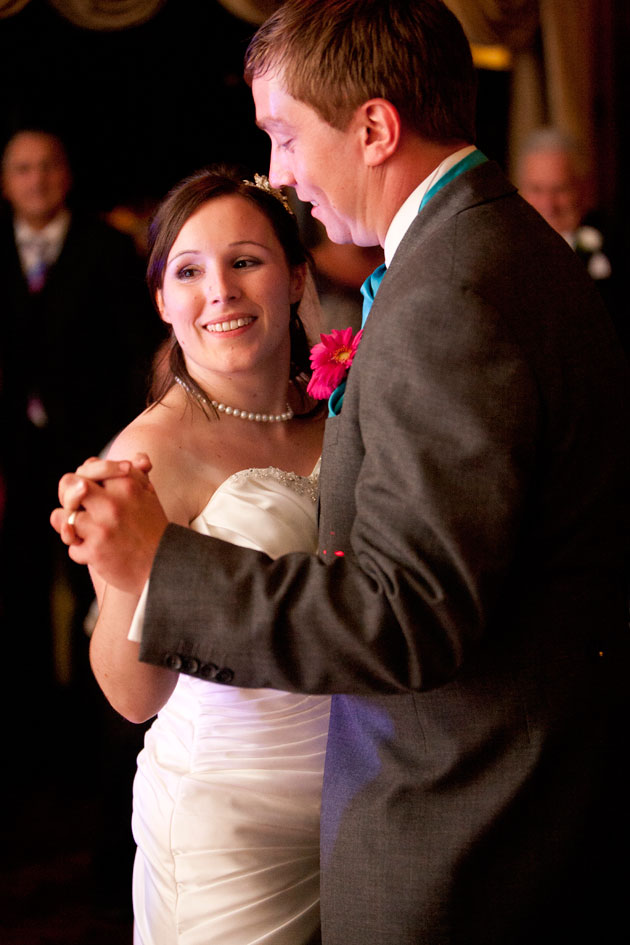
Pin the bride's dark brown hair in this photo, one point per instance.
(171, 215)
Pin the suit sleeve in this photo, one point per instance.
(442, 410)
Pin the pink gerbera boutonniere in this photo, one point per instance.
(331, 360)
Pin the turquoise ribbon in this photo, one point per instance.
(335, 400)
(474, 159)
(368, 291)
(373, 281)
(370, 288)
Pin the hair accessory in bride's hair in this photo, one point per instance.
(261, 181)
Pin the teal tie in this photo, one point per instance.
(368, 291)
(370, 288)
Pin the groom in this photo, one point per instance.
(467, 606)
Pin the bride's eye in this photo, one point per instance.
(186, 273)
(246, 262)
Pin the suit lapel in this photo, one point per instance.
(477, 186)
(343, 449)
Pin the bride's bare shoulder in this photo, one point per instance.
(166, 432)
(152, 430)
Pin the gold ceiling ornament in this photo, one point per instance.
(10, 7)
(107, 14)
(252, 11)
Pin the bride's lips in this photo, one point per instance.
(229, 324)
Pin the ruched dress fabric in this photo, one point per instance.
(228, 788)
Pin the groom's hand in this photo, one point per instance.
(73, 487)
(98, 469)
(112, 520)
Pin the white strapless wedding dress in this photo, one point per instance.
(227, 793)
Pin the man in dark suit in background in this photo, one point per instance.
(551, 176)
(467, 608)
(76, 334)
(75, 310)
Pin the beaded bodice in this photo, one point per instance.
(301, 485)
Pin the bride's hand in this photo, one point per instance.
(73, 488)
(113, 524)
(111, 519)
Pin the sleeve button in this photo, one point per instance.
(173, 661)
(224, 675)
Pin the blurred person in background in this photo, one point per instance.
(76, 339)
(551, 176)
(77, 335)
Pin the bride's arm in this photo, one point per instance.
(130, 689)
(136, 690)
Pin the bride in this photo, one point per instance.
(227, 792)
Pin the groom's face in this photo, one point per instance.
(322, 163)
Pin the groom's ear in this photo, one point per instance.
(380, 127)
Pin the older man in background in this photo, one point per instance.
(552, 177)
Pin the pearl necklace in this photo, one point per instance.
(234, 411)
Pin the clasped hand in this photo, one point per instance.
(111, 519)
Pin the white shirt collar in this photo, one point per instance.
(52, 235)
(407, 213)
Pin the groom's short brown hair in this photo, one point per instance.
(333, 55)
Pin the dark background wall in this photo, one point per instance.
(138, 108)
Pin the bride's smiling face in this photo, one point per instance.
(228, 288)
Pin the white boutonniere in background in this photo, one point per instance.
(587, 243)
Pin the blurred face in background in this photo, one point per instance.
(35, 177)
(548, 181)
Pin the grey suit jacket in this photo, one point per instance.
(467, 607)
